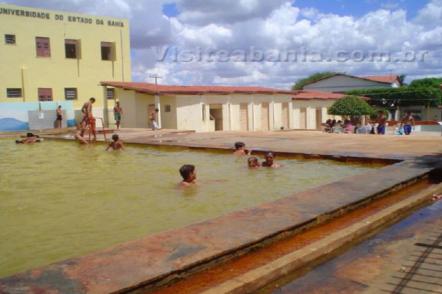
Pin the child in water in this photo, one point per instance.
(269, 161)
(30, 139)
(116, 143)
(188, 174)
(240, 149)
(253, 162)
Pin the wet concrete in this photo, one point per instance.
(379, 264)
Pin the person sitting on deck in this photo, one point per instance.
(79, 135)
(253, 162)
(29, 139)
(348, 127)
(269, 161)
(116, 143)
(240, 149)
(188, 173)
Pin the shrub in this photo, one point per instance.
(351, 106)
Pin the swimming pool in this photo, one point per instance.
(60, 200)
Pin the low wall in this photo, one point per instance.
(20, 116)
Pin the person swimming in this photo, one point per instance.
(116, 143)
(253, 162)
(29, 139)
(269, 161)
(188, 173)
(240, 149)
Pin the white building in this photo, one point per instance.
(220, 108)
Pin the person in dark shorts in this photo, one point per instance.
(118, 111)
(59, 120)
(382, 123)
(408, 123)
(88, 118)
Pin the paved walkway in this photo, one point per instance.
(305, 142)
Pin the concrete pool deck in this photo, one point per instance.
(301, 142)
(165, 256)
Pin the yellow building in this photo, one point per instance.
(61, 56)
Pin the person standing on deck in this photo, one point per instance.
(59, 120)
(153, 120)
(118, 111)
(408, 123)
(88, 118)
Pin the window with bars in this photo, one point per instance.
(72, 49)
(107, 51)
(43, 47)
(70, 93)
(110, 93)
(44, 94)
(14, 93)
(167, 108)
(10, 39)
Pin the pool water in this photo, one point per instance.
(60, 200)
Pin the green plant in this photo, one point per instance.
(312, 79)
(351, 106)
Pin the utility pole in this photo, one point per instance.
(157, 98)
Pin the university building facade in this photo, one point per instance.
(51, 58)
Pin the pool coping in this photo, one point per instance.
(160, 258)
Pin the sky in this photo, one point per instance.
(272, 43)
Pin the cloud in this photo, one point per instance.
(203, 12)
(202, 26)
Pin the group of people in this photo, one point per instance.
(377, 126)
(188, 171)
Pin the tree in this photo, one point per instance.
(351, 106)
(418, 94)
(312, 79)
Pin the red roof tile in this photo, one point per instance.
(166, 89)
(388, 79)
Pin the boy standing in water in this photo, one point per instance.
(116, 143)
(253, 162)
(240, 149)
(188, 174)
(269, 161)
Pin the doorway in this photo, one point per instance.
(285, 116)
(216, 115)
(318, 118)
(265, 116)
(244, 117)
(302, 118)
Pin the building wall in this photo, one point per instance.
(343, 84)
(21, 68)
(311, 107)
